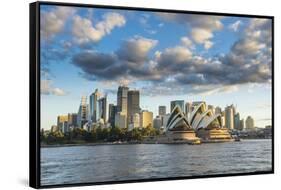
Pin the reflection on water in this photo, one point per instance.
(82, 164)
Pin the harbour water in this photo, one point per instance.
(84, 164)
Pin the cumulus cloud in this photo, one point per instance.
(202, 27)
(129, 62)
(180, 69)
(235, 26)
(185, 41)
(53, 21)
(84, 31)
(48, 89)
(136, 49)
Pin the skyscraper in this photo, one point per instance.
(242, 124)
(157, 122)
(180, 103)
(83, 112)
(237, 121)
(161, 110)
(133, 104)
(146, 119)
(94, 105)
(122, 100)
(112, 110)
(250, 125)
(120, 120)
(229, 117)
(218, 110)
(103, 109)
(61, 121)
(72, 120)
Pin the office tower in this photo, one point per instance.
(112, 110)
(94, 105)
(146, 119)
(83, 112)
(122, 99)
(161, 110)
(133, 104)
(60, 121)
(223, 119)
(102, 102)
(120, 120)
(242, 124)
(72, 120)
(237, 121)
(188, 108)
(157, 122)
(250, 125)
(135, 122)
(180, 103)
(218, 110)
(229, 117)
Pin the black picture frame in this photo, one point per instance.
(34, 92)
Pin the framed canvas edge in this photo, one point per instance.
(34, 94)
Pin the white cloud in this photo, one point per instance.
(136, 49)
(85, 32)
(185, 41)
(208, 44)
(201, 35)
(202, 27)
(48, 89)
(235, 26)
(53, 22)
(177, 55)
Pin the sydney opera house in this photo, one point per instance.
(200, 125)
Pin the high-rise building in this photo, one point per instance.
(133, 104)
(60, 121)
(112, 110)
(102, 109)
(180, 103)
(237, 121)
(188, 108)
(72, 120)
(250, 124)
(242, 124)
(94, 97)
(161, 110)
(146, 119)
(136, 121)
(122, 99)
(229, 117)
(218, 110)
(120, 120)
(83, 112)
(157, 122)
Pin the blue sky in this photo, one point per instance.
(221, 60)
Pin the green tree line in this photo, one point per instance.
(98, 135)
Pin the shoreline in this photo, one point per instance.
(128, 143)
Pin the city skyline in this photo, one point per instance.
(210, 58)
(229, 113)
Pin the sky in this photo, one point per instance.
(192, 57)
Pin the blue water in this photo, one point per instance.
(83, 164)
